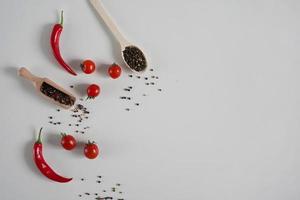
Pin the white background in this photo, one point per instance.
(225, 126)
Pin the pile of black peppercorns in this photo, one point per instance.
(56, 94)
(135, 58)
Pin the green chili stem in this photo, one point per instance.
(39, 140)
(61, 18)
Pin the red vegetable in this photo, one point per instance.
(88, 66)
(114, 71)
(93, 91)
(42, 164)
(68, 141)
(54, 40)
(91, 150)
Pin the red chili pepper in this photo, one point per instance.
(42, 164)
(54, 40)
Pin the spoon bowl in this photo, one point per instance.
(134, 58)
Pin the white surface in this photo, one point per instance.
(226, 125)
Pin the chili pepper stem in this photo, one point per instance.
(61, 22)
(39, 140)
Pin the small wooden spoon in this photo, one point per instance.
(133, 56)
(49, 89)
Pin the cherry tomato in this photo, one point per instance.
(68, 141)
(91, 150)
(88, 66)
(93, 91)
(114, 71)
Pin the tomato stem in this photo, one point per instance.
(39, 140)
(61, 22)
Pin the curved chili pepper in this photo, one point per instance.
(54, 40)
(42, 164)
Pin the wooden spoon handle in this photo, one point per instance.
(28, 75)
(110, 24)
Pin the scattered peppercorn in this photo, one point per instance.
(79, 106)
(104, 198)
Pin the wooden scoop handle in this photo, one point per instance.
(28, 75)
(109, 22)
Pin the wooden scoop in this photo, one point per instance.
(49, 89)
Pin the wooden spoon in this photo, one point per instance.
(133, 56)
(49, 89)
